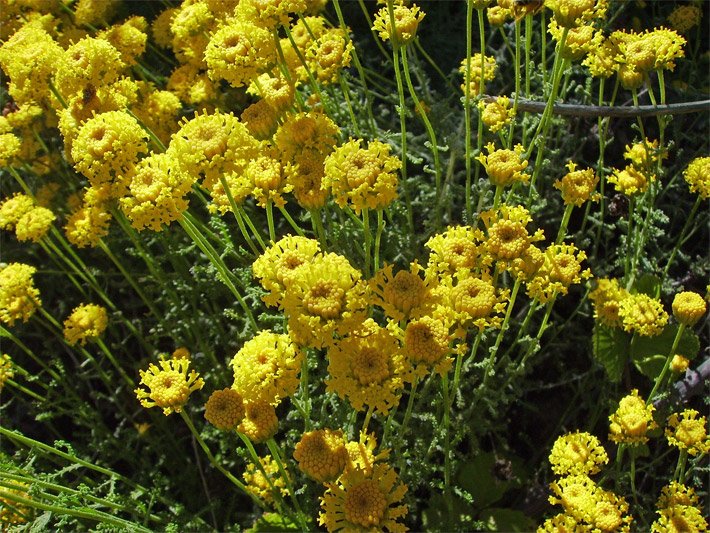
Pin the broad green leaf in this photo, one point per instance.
(647, 284)
(272, 522)
(500, 519)
(611, 349)
(649, 353)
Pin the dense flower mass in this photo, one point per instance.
(85, 322)
(19, 298)
(632, 421)
(577, 453)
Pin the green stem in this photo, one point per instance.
(563, 224)
(291, 221)
(270, 220)
(467, 107)
(276, 454)
(378, 238)
(669, 358)
(681, 237)
(368, 240)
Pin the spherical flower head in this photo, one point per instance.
(363, 178)
(6, 369)
(269, 14)
(13, 209)
(19, 298)
(562, 268)
(573, 13)
(266, 368)
(679, 364)
(455, 249)
(261, 119)
(86, 322)
(239, 51)
(683, 18)
(169, 385)
(90, 61)
(578, 186)
(676, 494)
(260, 481)
(580, 39)
(400, 295)
(128, 38)
(482, 68)
(225, 409)
(688, 432)
(277, 266)
(10, 147)
(367, 368)
(107, 147)
(260, 422)
(498, 15)
(601, 60)
(679, 519)
(698, 176)
(267, 175)
(639, 313)
(630, 181)
(94, 12)
(191, 27)
(472, 300)
(645, 154)
(606, 299)
(362, 500)
(321, 454)
(688, 308)
(34, 224)
(497, 114)
(305, 174)
(504, 167)
(578, 494)
(668, 46)
(87, 225)
(632, 420)
(406, 21)
(507, 235)
(160, 27)
(577, 453)
(427, 345)
(306, 132)
(278, 91)
(329, 54)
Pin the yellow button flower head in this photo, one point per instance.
(34, 224)
(261, 119)
(578, 186)
(13, 209)
(577, 453)
(266, 368)
(18, 296)
(679, 363)
(361, 453)
(508, 238)
(191, 27)
(679, 519)
(90, 61)
(89, 223)
(685, 17)
(630, 181)
(29, 58)
(688, 307)
(10, 147)
(157, 110)
(160, 27)
(86, 322)
(329, 54)
(427, 345)
(562, 267)
(601, 60)
(642, 314)
(239, 51)
(401, 295)
(406, 22)
(676, 494)
(472, 301)
(321, 454)
(362, 500)
(698, 176)
(6, 370)
(306, 132)
(128, 38)
(496, 114)
(688, 432)
(367, 368)
(481, 67)
(192, 85)
(157, 192)
(504, 167)
(270, 14)
(305, 174)
(267, 175)
(260, 422)
(225, 409)
(277, 266)
(498, 15)
(559, 523)
(573, 13)
(106, 149)
(169, 385)
(458, 248)
(362, 177)
(642, 52)
(632, 420)
(580, 39)
(94, 12)
(645, 154)
(259, 485)
(606, 299)
(579, 496)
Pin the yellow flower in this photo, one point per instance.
(685, 17)
(656, 49)
(261, 119)
(456, 249)
(676, 494)
(225, 409)
(496, 114)
(632, 420)
(472, 301)
(680, 519)
(329, 54)
(698, 176)
(94, 11)
(90, 61)
(560, 523)
(18, 296)
(157, 110)
(89, 223)
(10, 147)
(367, 367)
(362, 500)
(306, 132)
(578, 186)
(688, 308)
(160, 28)
(508, 237)
(577, 453)
(482, 67)
(260, 422)
(362, 177)
(361, 453)
(326, 297)
(191, 26)
(644, 155)
(192, 85)
(406, 21)
(400, 295)
(12, 512)
(630, 181)
(642, 314)
(86, 322)
(504, 167)
(13, 209)
(6, 370)
(687, 432)
(580, 40)
(679, 363)
(276, 267)
(321, 454)
(498, 15)
(606, 299)
(267, 175)
(260, 480)
(562, 267)
(128, 38)
(305, 174)
(169, 385)
(573, 13)
(270, 14)
(266, 368)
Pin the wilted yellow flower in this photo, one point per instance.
(19, 298)
(685, 17)
(577, 453)
(642, 314)
(688, 432)
(88, 321)
(632, 420)
(169, 385)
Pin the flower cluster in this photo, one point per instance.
(169, 385)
